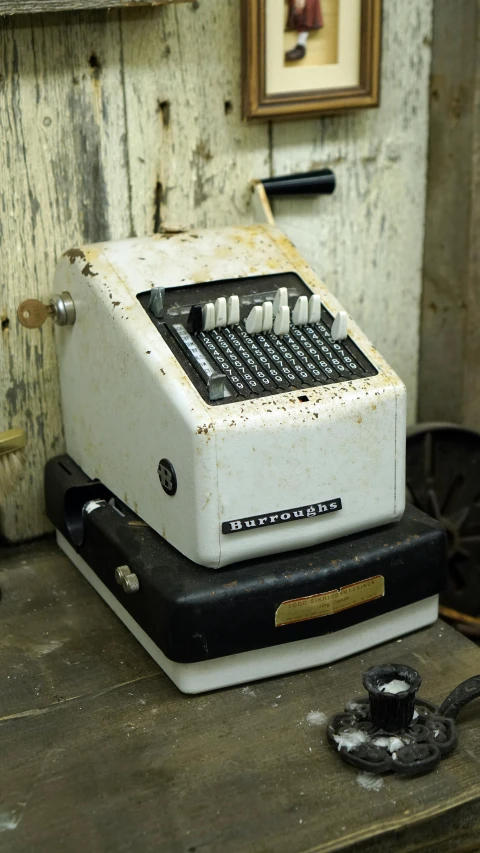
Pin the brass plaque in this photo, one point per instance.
(328, 603)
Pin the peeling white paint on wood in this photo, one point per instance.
(183, 105)
(366, 240)
(98, 109)
(63, 154)
(23, 7)
(116, 123)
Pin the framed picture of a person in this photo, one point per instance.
(304, 17)
(305, 57)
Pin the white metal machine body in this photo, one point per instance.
(249, 472)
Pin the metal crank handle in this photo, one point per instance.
(32, 313)
(320, 181)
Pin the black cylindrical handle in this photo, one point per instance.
(320, 181)
(391, 691)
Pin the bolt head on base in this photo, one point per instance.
(127, 579)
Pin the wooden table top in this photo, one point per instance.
(100, 752)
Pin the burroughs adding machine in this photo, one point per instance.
(234, 486)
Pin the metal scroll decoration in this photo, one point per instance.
(392, 729)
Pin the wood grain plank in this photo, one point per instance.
(57, 641)
(191, 156)
(22, 7)
(366, 240)
(449, 381)
(63, 149)
(134, 764)
(104, 127)
(471, 382)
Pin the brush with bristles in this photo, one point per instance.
(12, 460)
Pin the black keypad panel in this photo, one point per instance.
(234, 361)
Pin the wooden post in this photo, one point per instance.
(24, 7)
(449, 374)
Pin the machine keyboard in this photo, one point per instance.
(238, 339)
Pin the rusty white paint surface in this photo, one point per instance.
(127, 403)
(161, 140)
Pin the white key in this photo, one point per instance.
(233, 311)
(220, 312)
(253, 323)
(339, 326)
(281, 300)
(300, 311)
(208, 316)
(314, 308)
(282, 321)
(267, 316)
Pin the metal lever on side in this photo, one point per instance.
(320, 181)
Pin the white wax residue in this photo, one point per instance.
(350, 739)
(316, 718)
(395, 686)
(369, 781)
(390, 743)
(353, 706)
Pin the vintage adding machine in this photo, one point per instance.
(222, 412)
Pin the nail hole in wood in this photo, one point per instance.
(5, 323)
(95, 65)
(157, 218)
(163, 107)
(228, 107)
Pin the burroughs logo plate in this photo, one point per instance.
(329, 603)
(281, 516)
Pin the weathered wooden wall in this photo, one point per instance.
(114, 123)
(366, 241)
(449, 379)
(25, 7)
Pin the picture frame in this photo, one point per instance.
(338, 70)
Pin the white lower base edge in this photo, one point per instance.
(275, 660)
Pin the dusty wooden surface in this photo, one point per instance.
(101, 752)
(23, 7)
(449, 377)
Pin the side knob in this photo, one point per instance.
(32, 313)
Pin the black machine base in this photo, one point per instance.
(194, 615)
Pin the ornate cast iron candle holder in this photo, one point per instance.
(392, 729)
